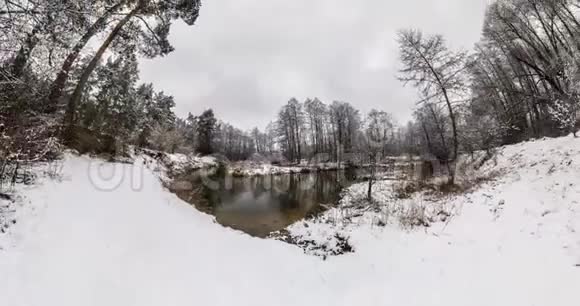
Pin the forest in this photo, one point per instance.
(112, 193)
(69, 76)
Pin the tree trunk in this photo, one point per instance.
(59, 83)
(427, 137)
(371, 176)
(455, 139)
(69, 119)
(24, 53)
(370, 190)
(441, 85)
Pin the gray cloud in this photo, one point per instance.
(245, 58)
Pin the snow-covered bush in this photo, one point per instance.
(412, 216)
(564, 114)
(166, 139)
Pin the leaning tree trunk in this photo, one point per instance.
(453, 124)
(455, 138)
(69, 118)
(441, 85)
(58, 85)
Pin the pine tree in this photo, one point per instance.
(205, 132)
(118, 111)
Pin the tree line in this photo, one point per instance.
(69, 69)
(52, 82)
(300, 132)
(521, 81)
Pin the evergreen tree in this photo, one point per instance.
(205, 132)
(118, 112)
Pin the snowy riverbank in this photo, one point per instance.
(243, 169)
(93, 237)
(177, 163)
(530, 188)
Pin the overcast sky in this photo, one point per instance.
(246, 58)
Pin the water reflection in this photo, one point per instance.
(264, 204)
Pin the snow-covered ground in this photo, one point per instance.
(247, 169)
(92, 238)
(257, 169)
(177, 162)
(264, 168)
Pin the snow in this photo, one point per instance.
(513, 240)
(179, 161)
(259, 169)
(246, 168)
(166, 165)
(135, 245)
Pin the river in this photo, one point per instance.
(263, 204)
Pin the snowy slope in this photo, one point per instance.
(138, 246)
(514, 241)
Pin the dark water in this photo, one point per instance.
(262, 205)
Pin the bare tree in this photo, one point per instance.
(378, 126)
(437, 72)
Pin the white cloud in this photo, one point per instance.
(245, 58)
